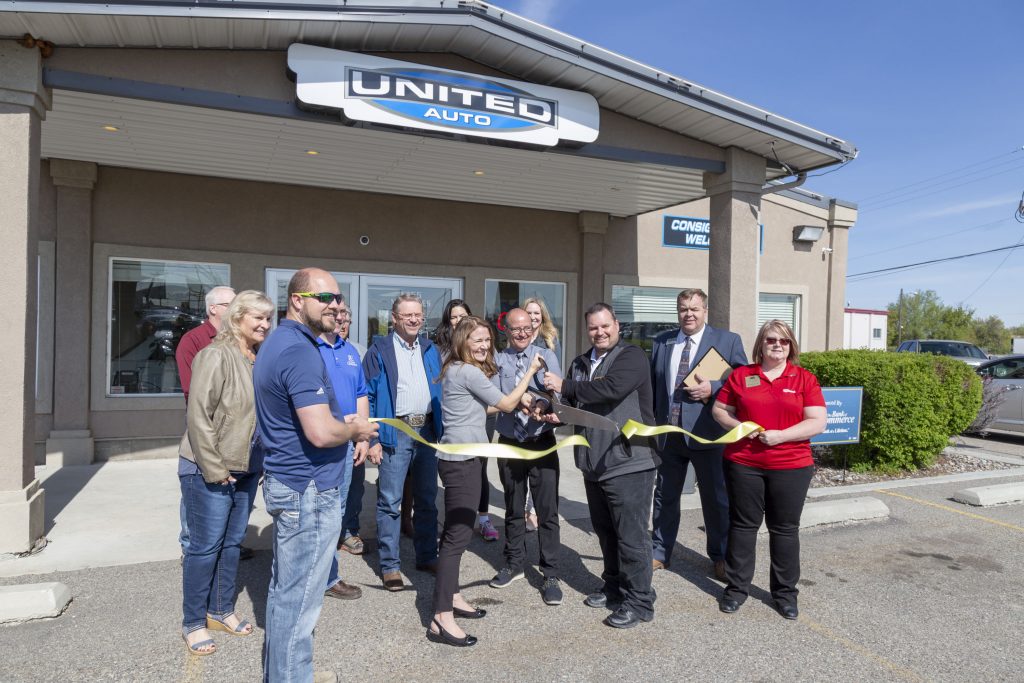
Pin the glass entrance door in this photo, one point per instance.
(370, 297)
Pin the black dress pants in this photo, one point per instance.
(541, 476)
(461, 481)
(619, 510)
(777, 498)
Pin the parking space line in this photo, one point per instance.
(951, 509)
(857, 648)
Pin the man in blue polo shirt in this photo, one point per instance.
(304, 433)
(344, 366)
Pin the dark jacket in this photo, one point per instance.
(620, 390)
(696, 415)
(381, 368)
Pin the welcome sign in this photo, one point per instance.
(386, 91)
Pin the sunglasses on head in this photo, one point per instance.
(322, 297)
(776, 340)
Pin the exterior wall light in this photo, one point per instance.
(807, 233)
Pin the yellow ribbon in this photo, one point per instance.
(741, 431)
(499, 450)
(482, 450)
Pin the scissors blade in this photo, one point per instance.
(583, 418)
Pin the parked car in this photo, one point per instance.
(965, 351)
(1007, 374)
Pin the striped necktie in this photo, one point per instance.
(677, 391)
(519, 430)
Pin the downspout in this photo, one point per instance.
(771, 187)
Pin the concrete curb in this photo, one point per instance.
(33, 601)
(987, 496)
(842, 511)
(828, 491)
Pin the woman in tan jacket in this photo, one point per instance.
(218, 487)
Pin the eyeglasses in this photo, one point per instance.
(521, 330)
(771, 341)
(409, 316)
(322, 297)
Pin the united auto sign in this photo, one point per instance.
(386, 91)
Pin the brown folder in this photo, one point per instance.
(711, 367)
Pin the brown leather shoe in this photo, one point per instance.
(720, 570)
(657, 564)
(393, 581)
(344, 591)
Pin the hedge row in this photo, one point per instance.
(912, 403)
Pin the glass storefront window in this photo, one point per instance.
(152, 304)
(644, 313)
(501, 296)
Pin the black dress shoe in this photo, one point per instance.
(469, 613)
(596, 599)
(622, 618)
(446, 638)
(787, 611)
(728, 605)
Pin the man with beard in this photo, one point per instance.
(304, 434)
(613, 379)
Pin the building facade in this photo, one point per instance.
(153, 151)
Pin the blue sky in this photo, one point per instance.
(923, 89)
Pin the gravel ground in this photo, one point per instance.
(948, 462)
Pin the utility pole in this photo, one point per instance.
(899, 323)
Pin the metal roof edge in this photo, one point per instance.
(652, 79)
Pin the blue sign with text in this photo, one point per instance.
(842, 426)
(691, 233)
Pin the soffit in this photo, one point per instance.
(200, 141)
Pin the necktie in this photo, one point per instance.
(677, 390)
(519, 430)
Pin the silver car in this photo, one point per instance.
(1007, 373)
(965, 351)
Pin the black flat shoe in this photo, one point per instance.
(728, 605)
(469, 613)
(623, 617)
(787, 611)
(448, 639)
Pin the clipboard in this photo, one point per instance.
(711, 367)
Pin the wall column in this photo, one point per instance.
(23, 104)
(70, 441)
(735, 238)
(593, 227)
(841, 218)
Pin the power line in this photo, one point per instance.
(994, 271)
(930, 237)
(946, 183)
(944, 189)
(938, 260)
(941, 175)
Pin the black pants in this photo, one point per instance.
(619, 510)
(461, 493)
(541, 476)
(777, 497)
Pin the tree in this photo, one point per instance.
(991, 335)
(926, 317)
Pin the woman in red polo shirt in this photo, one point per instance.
(767, 474)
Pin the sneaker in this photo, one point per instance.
(505, 577)
(488, 531)
(551, 591)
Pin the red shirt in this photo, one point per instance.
(192, 342)
(775, 404)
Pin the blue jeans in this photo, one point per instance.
(217, 516)
(346, 478)
(354, 502)
(714, 500)
(407, 455)
(306, 529)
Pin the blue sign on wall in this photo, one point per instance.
(843, 416)
(691, 233)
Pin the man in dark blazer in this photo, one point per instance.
(675, 353)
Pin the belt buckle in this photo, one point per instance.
(415, 420)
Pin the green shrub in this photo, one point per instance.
(912, 403)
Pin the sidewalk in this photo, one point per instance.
(126, 512)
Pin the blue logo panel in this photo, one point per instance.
(454, 117)
(842, 426)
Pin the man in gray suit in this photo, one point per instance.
(675, 352)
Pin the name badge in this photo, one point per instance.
(753, 381)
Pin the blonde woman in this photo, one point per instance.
(218, 486)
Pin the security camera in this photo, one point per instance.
(364, 240)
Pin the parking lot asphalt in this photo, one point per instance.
(933, 593)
